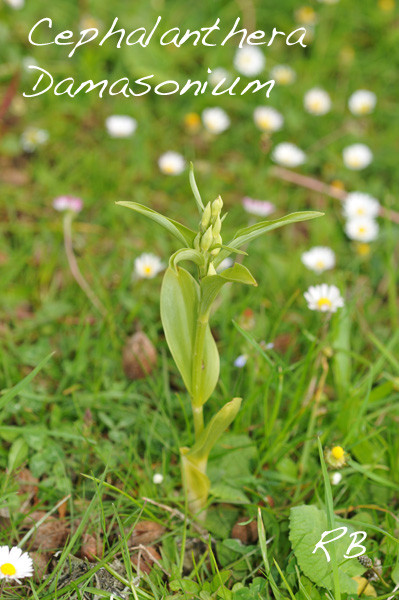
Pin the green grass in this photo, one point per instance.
(88, 433)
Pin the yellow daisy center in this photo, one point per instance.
(320, 264)
(324, 302)
(169, 168)
(354, 161)
(264, 122)
(337, 452)
(315, 104)
(360, 211)
(364, 108)
(8, 569)
(362, 230)
(148, 270)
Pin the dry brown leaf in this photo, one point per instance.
(145, 532)
(248, 533)
(144, 559)
(92, 547)
(50, 536)
(40, 563)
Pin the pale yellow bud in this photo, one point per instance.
(217, 227)
(197, 241)
(206, 217)
(211, 270)
(207, 239)
(217, 206)
(216, 240)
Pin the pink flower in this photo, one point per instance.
(72, 203)
(261, 208)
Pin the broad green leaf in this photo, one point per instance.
(212, 284)
(180, 295)
(194, 256)
(243, 236)
(307, 523)
(215, 428)
(181, 232)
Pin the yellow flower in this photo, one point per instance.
(192, 122)
(336, 457)
(386, 5)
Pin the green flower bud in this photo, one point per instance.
(216, 227)
(197, 241)
(216, 240)
(206, 217)
(211, 270)
(217, 206)
(207, 239)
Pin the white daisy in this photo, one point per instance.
(317, 101)
(362, 102)
(288, 155)
(249, 60)
(147, 266)
(171, 163)
(215, 120)
(268, 119)
(357, 156)
(357, 204)
(120, 126)
(335, 478)
(260, 208)
(362, 229)
(319, 259)
(15, 564)
(157, 478)
(324, 298)
(217, 75)
(241, 361)
(33, 137)
(72, 203)
(15, 4)
(283, 74)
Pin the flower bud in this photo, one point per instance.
(207, 239)
(196, 243)
(216, 227)
(216, 240)
(217, 206)
(206, 217)
(211, 270)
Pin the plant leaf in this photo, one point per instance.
(180, 296)
(187, 254)
(307, 523)
(247, 234)
(212, 284)
(215, 428)
(195, 189)
(181, 232)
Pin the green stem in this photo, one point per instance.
(198, 420)
(198, 355)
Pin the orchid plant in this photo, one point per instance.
(186, 307)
